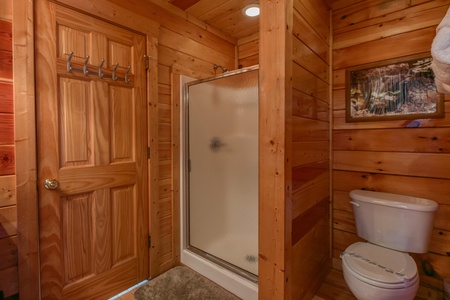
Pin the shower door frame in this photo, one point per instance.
(185, 166)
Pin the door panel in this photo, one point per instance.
(92, 138)
(75, 139)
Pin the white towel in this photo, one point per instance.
(445, 21)
(440, 51)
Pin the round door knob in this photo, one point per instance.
(51, 184)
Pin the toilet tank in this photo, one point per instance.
(394, 221)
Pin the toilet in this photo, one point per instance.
(393, 225)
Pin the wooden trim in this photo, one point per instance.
(275, 139)
(152, 120)
(176, 163)
(25, 145)
(330, 131)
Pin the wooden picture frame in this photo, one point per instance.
(394, 89)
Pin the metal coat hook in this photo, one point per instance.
(100, 71)
(69, 67)
(85, 70)
(127, 80)
(113, 75)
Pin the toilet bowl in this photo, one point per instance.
(381, 268)
(373, 272)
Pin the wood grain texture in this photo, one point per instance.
(176, 165)
(388, 156)
(306, 33)
(9, 284)
(5, 65)
(275, 151)
(311, 146)
(5, 35)
(406, 20)
(94, 228)
(311, 256)
(414, 42)
(7, 160)
(6, 97)
(6, 129)
(25, 148)
(8, 221)
(7, 190)
(248, 51)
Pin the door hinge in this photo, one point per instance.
(149, 241)
(148, 152)
(147, 61)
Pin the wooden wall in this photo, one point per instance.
(294, 157)
(388, 156)
(311, 146)
(8, 217)
(248, 51)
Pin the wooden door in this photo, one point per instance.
(92, 140)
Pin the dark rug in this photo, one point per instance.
(182, 283)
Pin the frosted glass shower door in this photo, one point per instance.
(223, 169)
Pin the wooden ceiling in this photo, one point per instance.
(224, 15)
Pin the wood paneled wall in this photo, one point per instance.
(294, 157)
(311, 78)
(8, 208)
(389, 156)
(248, 51)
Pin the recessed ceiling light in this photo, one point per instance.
(251, 10)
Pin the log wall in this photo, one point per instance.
(389, 156)
(8, 208)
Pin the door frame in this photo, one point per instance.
(25, 126)
(25, 148)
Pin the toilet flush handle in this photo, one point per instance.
(354, 203)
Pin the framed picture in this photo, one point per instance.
(397, 89)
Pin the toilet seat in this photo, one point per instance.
(379, 266)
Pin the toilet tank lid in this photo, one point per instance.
(394, 200)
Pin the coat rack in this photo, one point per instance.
(99, 73)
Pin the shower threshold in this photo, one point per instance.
(224, 264)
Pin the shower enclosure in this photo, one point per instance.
(221, 173)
